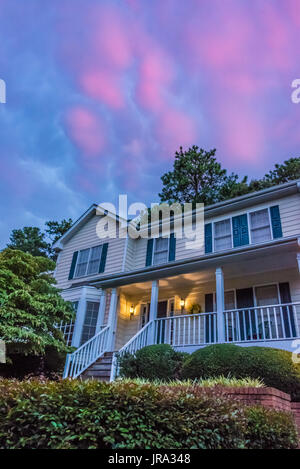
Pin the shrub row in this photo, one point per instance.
(74, 414)
(275, 367)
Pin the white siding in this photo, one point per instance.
(85, 238)
(135, 255)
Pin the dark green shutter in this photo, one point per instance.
(73, 264)
(172, 247)
(276, 222)
(240, 230)
(103, 258)
(149, 252)
(287, 311)
(208, 238)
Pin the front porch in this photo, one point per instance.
(251, 302)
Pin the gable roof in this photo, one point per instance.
(219, 208)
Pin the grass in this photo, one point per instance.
(221, 381)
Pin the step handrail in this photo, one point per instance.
(139, 340)
(78, 361)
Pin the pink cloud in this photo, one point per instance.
(156, 72)
(103, 86)
(174, 129)
(242, 132)
(86, 130)
(111, 39)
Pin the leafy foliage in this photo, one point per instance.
(36, 242)
(152, 362)
(269, 429)
(30, 305)
(198, 177)
(56, 229)
(80, 415)
(29, 239)
(275, 367)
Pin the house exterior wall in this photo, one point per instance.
(86, 238)
(130, 254)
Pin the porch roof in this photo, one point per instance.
(271, 253)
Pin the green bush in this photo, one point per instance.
(152, 362)
(275, 367)
(75, 414)
(269, 429)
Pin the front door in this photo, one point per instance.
(247, 326)
(162, 309)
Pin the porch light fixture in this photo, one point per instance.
(182, 303)
(131, 310)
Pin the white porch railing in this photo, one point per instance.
(138, 341)
(263, 323)
(192, 329)
(87, 354)
(67, 329)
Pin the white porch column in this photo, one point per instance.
(79, 318)
(112, 319)
(101, 312)
(153, 310)
(220, 304)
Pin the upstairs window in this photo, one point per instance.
(260, 226)
(222, 235)
(161, 250)
(88, 261)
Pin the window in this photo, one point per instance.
(222, 235)
(161, 250)
(266, 295)
(144, 314)
(88, 261)
(260, 226)
(90, 321)
(229, 300)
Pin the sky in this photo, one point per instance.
(100, 95)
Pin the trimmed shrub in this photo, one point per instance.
(79, 415)
(275, 367)
(269, 429)
(152, 362)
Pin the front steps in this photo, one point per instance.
(101, 369)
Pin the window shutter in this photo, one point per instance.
(172, 247)
(149, 252)
(73, 265)
(240, 230)
(103, 258)
(276, 222)
(287, 311)
(208, 238)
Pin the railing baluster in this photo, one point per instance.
(275, 319)
(263, 323)
(282, 322)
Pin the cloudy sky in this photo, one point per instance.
(100, 94)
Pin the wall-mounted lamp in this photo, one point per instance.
(182, 303)
(131, 310)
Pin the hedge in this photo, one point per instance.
(153, 362)
(275, 367)
(75, 414)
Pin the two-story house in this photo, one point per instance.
(242, 284)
